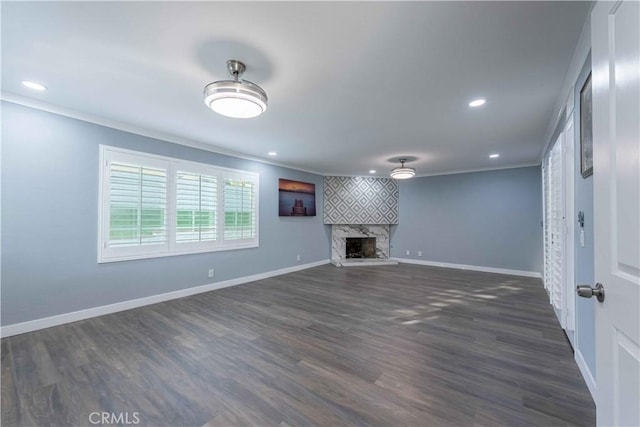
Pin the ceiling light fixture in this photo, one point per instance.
(34, 85)
(494, 156)
(272, 153)
(372, 171)
(235, 98)
(477, 102)
(402, 172)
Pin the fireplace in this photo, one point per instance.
(360, 244)
(360, 247)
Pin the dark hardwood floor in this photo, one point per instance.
(380, 346)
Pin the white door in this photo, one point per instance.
(615, 41)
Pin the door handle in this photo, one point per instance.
(587, 291)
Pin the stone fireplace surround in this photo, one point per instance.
(339, 234)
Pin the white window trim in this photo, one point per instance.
(171, 248)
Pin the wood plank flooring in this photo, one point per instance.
(364, 346)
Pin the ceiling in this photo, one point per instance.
(352, 86)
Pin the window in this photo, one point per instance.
(137, 204)
(239, 210)
(153, 206)
(196, 207)
(559, 226)
(554, 224)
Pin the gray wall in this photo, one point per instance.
(584, 259)
(488, 219)
(50, 220)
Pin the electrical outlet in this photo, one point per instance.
(211, 272)
(419, 253)
(408, 252)
(298, 257)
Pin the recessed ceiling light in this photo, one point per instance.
(477, 102)
(494, 156)
(272, 153)
(372, 171)
(34, 85)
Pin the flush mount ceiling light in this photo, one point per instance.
(34, 85)
(402, 172)
(235, 98)
(494, 156)
(477, 102)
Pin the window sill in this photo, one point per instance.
(106, 260)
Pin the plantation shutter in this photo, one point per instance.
(546, 234)
(153, 206)
(239, 208)
(137, 205)
(554, 226)
(196, 207)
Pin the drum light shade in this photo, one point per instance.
(402, 172)
(235, 98)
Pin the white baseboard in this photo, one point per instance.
(471, 267)
(586, 374)
(60, 319)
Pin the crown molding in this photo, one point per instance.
(200, 145)
(130, 128)
(454, 172)
(461, 171)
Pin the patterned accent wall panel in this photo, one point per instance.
(360, 200)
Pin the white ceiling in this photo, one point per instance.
(350, 85)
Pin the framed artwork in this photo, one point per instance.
(586, 129)
(296, 198)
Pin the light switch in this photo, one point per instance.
(582, 238)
